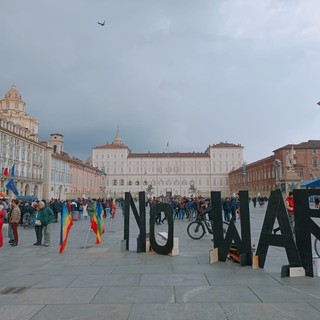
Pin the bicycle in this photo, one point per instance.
(29, 222)
(197, 229)
(316, 246)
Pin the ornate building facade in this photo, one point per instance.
(174, 173)
(42, 169)
(12, 109)
(19, 145)
(27, 155)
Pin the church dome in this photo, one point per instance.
(13, 94)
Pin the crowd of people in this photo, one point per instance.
(188, 208)
(40, 215)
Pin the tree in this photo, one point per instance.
(149, 189)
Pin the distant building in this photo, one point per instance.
(68, 177)
(265, 175)
(173, 173)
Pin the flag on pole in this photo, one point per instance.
(11, 186)
(12, 171)
(114, 208)
(167, 146)
(6, 170)
(96, 223)
(102, 215)
(66, 225)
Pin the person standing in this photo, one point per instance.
(84, 209)
(14, 220)
(182, 209)
(289, 204)
(234, 209)
(38, 227)
(74, 210)
(46, 217)
(56, 208)
(254, 200)
(92, 209)
(227, 209)
(8, 213)
(80, 208)
(290, 209)
(2, 216)
(108, 208)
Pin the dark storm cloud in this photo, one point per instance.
(189, 72)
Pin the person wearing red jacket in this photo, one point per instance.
(289, 202)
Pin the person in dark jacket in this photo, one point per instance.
(46, 216)
(56, 208)
(227, 209)
(38, 228)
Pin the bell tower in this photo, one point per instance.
(56, 142)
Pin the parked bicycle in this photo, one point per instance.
(198, 228)
(29, 221)
(316, 246)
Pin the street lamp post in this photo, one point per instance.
(244, 173)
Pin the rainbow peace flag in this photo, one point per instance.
(66, 224)
(100, 213)
(114, 208)
(96, 223)
(102, 221)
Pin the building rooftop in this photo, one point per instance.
(169, 155)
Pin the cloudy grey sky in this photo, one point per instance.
(191, 72)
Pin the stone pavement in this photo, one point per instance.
(101, 282)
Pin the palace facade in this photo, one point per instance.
(173, 173)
